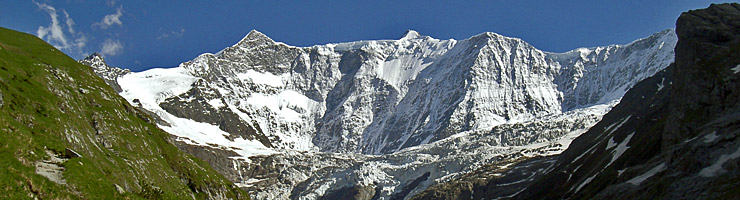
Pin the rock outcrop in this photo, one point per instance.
(107, 73)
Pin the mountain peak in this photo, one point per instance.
(254, 34)
(410, 34)
(95, 57)
(94, 60)
(255, 38)
(488, 35)
(107, 73)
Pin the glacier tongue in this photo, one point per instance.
(387, 112)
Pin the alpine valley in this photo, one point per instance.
(382, 119)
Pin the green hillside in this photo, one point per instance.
(52, 108)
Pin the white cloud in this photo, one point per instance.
(54, 31)
(174, 34)
(111, 47)
(55, 35)
(110, 20)
(79, 43)
(110, 3)
(70, 22)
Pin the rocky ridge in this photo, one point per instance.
(107, 73)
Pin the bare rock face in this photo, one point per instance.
(498, 180)
(707, 54)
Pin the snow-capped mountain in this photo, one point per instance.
(386, 117)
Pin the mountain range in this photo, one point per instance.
(383, 118)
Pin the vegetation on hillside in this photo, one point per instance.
(58, 119)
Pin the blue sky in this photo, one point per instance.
(143, 34)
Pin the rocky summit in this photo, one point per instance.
(107, 73)
(384, 118)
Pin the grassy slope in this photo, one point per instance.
(51, 103)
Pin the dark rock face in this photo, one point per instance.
(595, 155)
(354, 192)
(708, 48)
(217, 158)
(410, 186)
(492, 181)
(673, 136)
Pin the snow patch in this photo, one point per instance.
(204, 134)
(588, 180)
(566, 140)
(716, 167)
(398, 71)
(611, 143)
(410, 34)
(661, 85)
(620, 149)
(288, 104)
(711, 137)
(612, 128)
(155, 85)
(639, 179)
(216, 103)
(248, 183)
(736, 69)
(261, 78)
